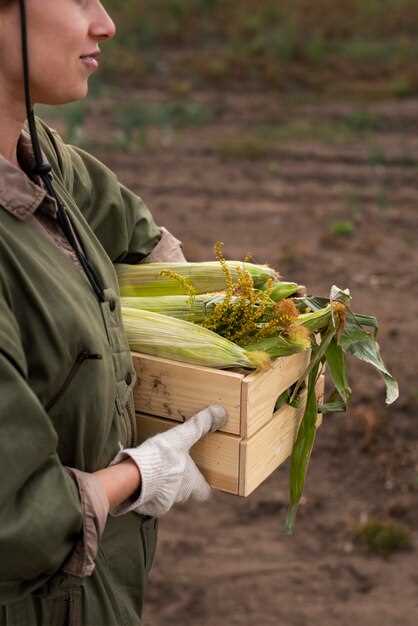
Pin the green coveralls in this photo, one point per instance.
(62, 405)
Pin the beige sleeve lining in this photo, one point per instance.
(167, 249)
(95, 510)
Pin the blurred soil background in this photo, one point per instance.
(288, 130)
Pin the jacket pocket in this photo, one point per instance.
(59, 608)
(81, 358)
(19, 613)
(149, 535)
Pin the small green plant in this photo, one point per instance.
(317, 49)
(402, 87)
(383, 538)
(331, 132)
(134, 118)
(376, 156)
(281, 43)
(366, 51)
(362, 122)
(175, 114)
(342, 228)
(250, 148)
(215, 68)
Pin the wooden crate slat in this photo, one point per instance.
(260, 390)
(217, 455)
(178, 390)
(269, 447)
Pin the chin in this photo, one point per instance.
(74, 95)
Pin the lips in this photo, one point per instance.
(91, 60)
(91, 55)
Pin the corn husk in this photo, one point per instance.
(145, 279)
(317, 320)
(171, 338)
(181, 307)
(282, 289)
(278, 346)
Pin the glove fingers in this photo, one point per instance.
(219, 416)
(194, 484)
(202, 491)
(183, 437)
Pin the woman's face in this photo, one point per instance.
(60, 32)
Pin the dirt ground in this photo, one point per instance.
(227, 561)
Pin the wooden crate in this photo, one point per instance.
(255, 440)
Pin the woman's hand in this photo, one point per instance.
(168, 474)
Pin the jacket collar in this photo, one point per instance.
(20, 195)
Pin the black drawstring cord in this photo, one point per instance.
(43, 169)
(69, 230)
(25, 58)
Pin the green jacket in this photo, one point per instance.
(66, 381)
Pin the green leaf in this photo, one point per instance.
(340, 295)
(368, 351)
(366, 320)
(337, 369)
(286, 398)
(364, 346)
(352, 335)
(302, 450)
(353, 330)
(295, 402)
(282, 400)
(275, 346)
(318, 352)
(336, 406)
(314, 303)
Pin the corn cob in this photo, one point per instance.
(145, 279)
(182, 307)
(170, 338)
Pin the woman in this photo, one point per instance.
(79, 501)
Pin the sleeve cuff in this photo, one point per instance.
(95, 509)
(167, 249)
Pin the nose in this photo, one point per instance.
(102, 27)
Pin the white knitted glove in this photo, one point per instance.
(168, 473)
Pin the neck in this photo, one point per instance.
(12, 120)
